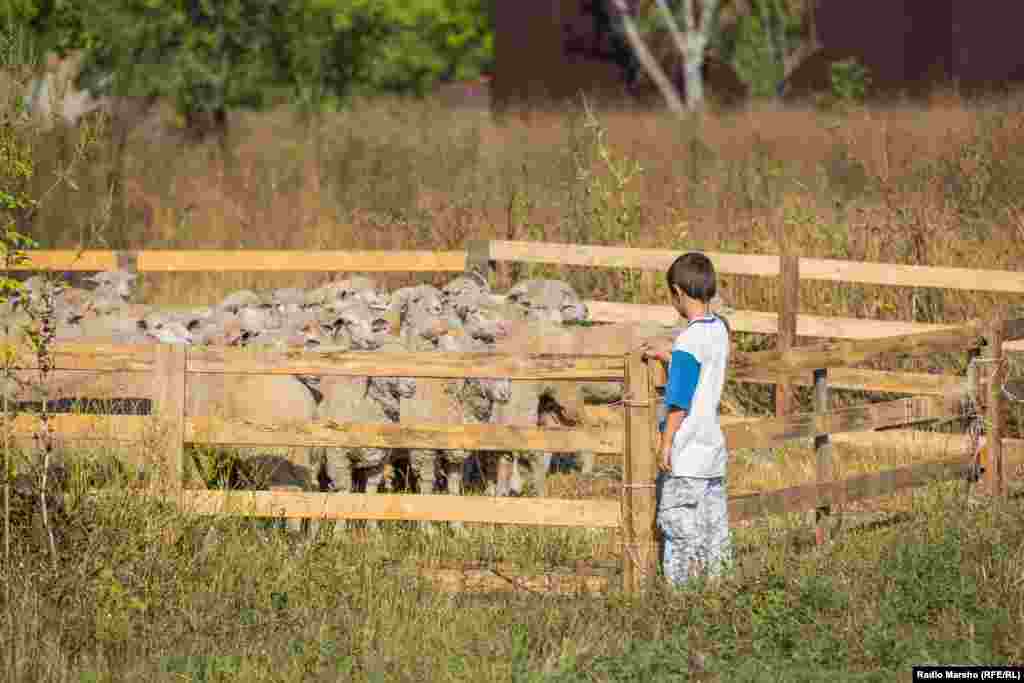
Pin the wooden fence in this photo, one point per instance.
(824, 366)
(482, 255)
(171, 367)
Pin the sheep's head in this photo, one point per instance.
(348, 290)
(424, 298)
(420, 328)
(222, 330)
(159, 327)
(243, 298)
(115, 284)
(366, 329)
(548, 300)
(488, 320)
(463, 293)
(258, 319)
(194, 319)
(288, 300)
(306, 331)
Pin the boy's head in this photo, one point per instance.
(692, 274)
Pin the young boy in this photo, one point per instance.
(693, 508)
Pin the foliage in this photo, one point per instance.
(209, 56)
(431, 40)
(57, 24)
(850, 81)
(205, 56)
(606, 207)
(759, 42)
(16, 172)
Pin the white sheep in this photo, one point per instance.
(360, 399)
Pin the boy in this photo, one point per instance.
(693, 507)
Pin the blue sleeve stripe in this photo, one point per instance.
(683, 375)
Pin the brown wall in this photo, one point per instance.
(843, 26)
(987, 46)
(527, 51)
(545, 50)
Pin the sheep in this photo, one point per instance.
(270, 399)
(344, 291)
(113, 285)
(548, 300)
(288, 300)
(360, 399)
(479, 401)
(243, 298)
(445, 401)
(546, 304)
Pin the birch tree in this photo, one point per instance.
(691, 41)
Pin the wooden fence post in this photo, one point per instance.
(995, 479)
(169, 409)
(789, 305)
(639, 561)
(648, 287)
(823, 455)
(478, 260)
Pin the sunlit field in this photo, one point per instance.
(140, 590)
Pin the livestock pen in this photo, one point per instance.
(821, 366)
(169, 368)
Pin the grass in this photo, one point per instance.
(143, 591)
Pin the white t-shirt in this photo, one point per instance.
(696, 378)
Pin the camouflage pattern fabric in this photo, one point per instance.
(693, 516)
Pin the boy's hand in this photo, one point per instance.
(657, 349)
(665, 462)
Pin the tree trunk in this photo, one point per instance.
(648, 61)
(692, 66)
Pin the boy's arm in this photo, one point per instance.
(672, 424)
(683, 376)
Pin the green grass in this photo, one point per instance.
(144, 592)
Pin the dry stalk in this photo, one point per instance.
(7, 530)
(42, 314)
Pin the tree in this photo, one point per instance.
(699, 23)
(206, 56)
(772, 39)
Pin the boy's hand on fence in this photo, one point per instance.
(660, 350)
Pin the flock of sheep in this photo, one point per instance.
(350, 314)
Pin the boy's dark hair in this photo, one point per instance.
(694, 274)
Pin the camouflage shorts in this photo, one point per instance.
(693, 516)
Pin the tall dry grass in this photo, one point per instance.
(936, 184)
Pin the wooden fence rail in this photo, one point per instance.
(481, 255)
(656, 260)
